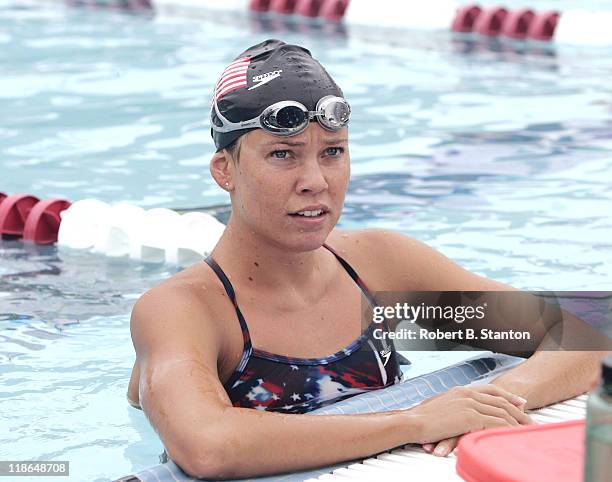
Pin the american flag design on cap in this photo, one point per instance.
(233, 77)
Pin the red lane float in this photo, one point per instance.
(14, 211)
(333, 10)
(465, 18)
(259, 5)
(42, 224)
(517, 24)
(25, 216)
(285, 7)
(308, 8)
(543, 26)
(491, 21)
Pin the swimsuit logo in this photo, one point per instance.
(265, 78)
(385, 354)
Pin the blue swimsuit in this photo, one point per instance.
(265, 381)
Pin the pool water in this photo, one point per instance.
(496, 153)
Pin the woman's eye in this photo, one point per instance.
(334, 151)
(280, 154)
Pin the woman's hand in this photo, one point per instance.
(445, 447)
(462, 410)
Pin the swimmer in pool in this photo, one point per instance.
(232, 351)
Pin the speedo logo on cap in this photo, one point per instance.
(262, 79)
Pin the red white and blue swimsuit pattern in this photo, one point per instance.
(265, 381)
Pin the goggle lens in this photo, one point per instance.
(335, 114)
(290, 117)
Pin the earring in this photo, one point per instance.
(226, 183)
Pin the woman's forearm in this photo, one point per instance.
(265, 443)
(551, 376)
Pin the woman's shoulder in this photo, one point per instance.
(188, 294)
(373, 253)
(397, 262)
(384, 244)
(174, 321)
(391, 260)
(353, 236)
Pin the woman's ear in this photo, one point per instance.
(221, 169)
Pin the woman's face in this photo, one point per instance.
(277, 179)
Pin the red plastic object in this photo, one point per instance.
(491, 21)
(465, 18)
(42, 224)
(259, 5)
(530, 453)
(14, 211)
(333, 10)
(286, 7)
(543, 26)
(308, 8)
(2, 197)
(517, 23)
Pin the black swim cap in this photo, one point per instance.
(266, 73)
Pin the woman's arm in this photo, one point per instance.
(180, 392)
(548, 376)
(208, 438)
(545, 378)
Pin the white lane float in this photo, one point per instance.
(120, 230)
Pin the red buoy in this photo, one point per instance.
(491, 21)
(308, 8)
(333, 10)
(465, 18)
(285, 7)
(43, 221)
(543, 26)
(14, 211)
(259, 5)
(517, 23)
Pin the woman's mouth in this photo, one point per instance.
(310, 217)
(309, 214)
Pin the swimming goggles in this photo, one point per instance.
(289, 118)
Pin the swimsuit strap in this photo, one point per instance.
(229, 289)
(352, 273)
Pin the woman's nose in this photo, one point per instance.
(311, 178)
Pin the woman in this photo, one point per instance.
(230, 352)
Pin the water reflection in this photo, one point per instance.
(283, 24)
(506, 49)
(61, 287)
